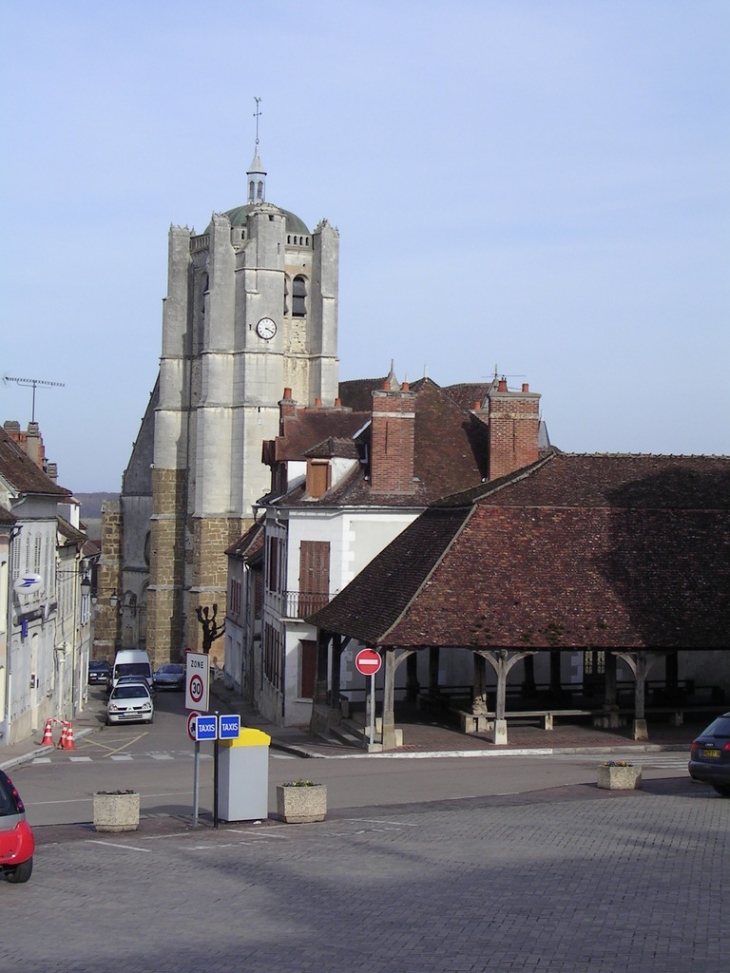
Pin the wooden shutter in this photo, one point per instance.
(314, 576)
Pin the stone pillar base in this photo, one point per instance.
(500, 732)
(640, 730)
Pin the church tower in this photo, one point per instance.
(251, 308)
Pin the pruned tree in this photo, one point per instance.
(212, 629)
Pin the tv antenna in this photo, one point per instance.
(34, 382)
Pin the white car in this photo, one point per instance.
(130, 702)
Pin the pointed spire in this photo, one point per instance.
(256, 173)
(391, 381)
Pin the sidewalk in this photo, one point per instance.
(420, 739)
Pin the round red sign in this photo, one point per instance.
(368, 662)
(191, 723)
(196, 688)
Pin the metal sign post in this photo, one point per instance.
(368, 662)
(215, 775)
(196, 783)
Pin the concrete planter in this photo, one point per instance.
(116, 812)
(301, 804)
(619, 778)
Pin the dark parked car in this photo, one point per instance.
(99, 672)
(170, 676)
(710, 757)
(17, 843)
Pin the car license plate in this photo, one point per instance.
(710, 753)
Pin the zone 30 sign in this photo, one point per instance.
(197, 681)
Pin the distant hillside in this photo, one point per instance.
(91, 503)
(91, 511)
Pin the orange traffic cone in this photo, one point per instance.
(68, 729)
(61, 745)
(48, 734)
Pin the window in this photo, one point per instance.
(260, 190)
(299, 297)
(273, 668)
(235, 598)
(314, 576)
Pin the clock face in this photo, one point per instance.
(266, 329)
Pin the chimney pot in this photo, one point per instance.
(287, 393)
(338, 403)
(317, 403)
(502, 387)
(525, 387)
(477, 406)
(386, 385)
(405, 387)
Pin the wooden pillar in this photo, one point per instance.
(389, 700)
(412, 684)
(640, 663)
(480, 705)
(320, 707)
(334, 680)
(433, 669)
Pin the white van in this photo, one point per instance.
(132, 662)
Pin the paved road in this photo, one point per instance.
(568, 880)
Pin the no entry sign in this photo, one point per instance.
(368, 662)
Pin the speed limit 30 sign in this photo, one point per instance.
(197, 681)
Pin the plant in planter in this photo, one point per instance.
(618, 775)
(301, 801)
(116, 810)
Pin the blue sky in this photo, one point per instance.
(540, 185)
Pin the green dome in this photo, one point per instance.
(239, 215)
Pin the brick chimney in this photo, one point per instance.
(514, 420)
(392, 439)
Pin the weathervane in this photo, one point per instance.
(257, 115)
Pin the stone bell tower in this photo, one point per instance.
(251, 308)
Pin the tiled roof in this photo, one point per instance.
(21, 472)
(250, 543)
(576, 551)
(343, 448)
(358, 393)
(311, 426)
(70, 534)
(450, 453)
(6, 517)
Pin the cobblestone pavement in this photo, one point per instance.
(572, 880)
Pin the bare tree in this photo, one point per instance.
(212, 629)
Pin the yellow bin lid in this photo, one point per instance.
(248, 737)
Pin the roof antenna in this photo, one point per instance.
(34, 382)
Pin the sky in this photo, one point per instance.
(536, 186)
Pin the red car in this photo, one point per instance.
(17, 843)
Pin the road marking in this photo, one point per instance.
(399, 824)
(162, 756)
(111, 844)
(121, 756)
(41, 760)
(80, 760)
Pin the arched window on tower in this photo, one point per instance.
(299, 297)
(286, 295)
(260, 190)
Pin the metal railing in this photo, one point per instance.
(301, 604)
